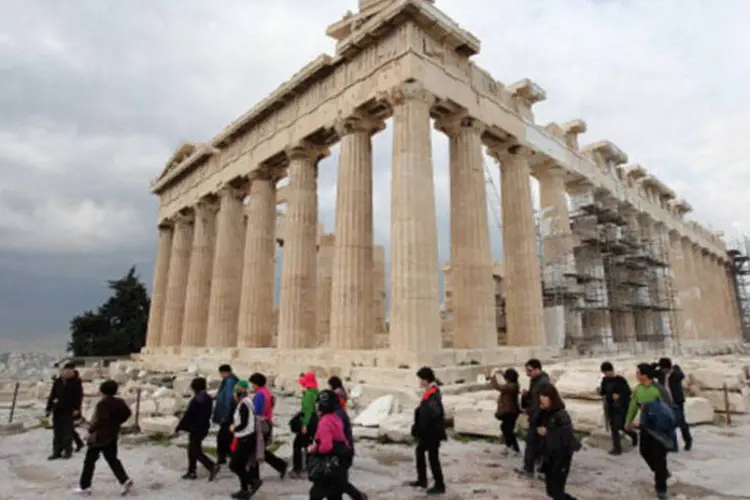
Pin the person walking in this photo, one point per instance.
(263, 404)
(616, 393)
(337, 387)
(508, 408)
(671, 377)
(64, 404)
(558, 442)
(329, 441)
(78, 419)
(655, 423)
(304, 424)
(429, 431)
(196, 421)
(224, 412)
(109, 415)
(244, 454)
(530, 406)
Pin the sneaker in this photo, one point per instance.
(126, 487)
(416, 484)
(85, 492)
(241, 495)
(436, 490)
(54, 456)
(190, 476)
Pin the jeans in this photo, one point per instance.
(531, 453)
(432, 450)
(679, 415)
(508, 430)
(223, 442)
(655, 455)
(110, 455)
(555, 478)
(62, 432)
(195, 453)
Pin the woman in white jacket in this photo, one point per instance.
(244, 445)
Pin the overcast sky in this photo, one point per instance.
(96, 94)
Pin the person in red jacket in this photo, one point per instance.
(329, 439)
(263, 403)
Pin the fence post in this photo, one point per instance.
(726, 405)
(137, 408)
(13, 403)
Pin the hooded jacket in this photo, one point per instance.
(197, 417)
(309, 384)
(109, 415)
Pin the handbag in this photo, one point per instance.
(323, 467)
(295, 423)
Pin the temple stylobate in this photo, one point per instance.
(614, 238)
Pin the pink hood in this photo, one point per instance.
(308, 381)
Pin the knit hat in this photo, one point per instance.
(241, 386)
(328, 401)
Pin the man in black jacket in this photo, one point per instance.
(64, 404)
(616, 392)
(671, 377)
(530, 406)
(429, 431)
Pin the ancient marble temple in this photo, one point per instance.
(405, 60)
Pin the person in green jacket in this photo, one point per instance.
(308, 419)
(654, 453)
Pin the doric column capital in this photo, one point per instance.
(206, 207)
(229, 191)
(186, 217)
(452, 125)
(410, 91)
(357, 122)
(504, 151)
(306, 149)
(165, 225)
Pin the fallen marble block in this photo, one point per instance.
(158, 425)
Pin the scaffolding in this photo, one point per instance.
(740, 255)
(626, 275)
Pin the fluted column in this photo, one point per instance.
(226, 283)
(415, 303)
(677, 261)
(159, 288)
(523, 303)
(351, 288)
(722, 297)
(199, 277)
(690, 292)
(737, 327)
(665, 296)
(474, 322)
(325, 281)
(174, 308)
(297, 317)
(255, 325)
(378, 281)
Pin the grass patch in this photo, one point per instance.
(274, 447)
(44, 422)
(467, 438)
(159, 439)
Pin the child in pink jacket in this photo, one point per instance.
(330, 431)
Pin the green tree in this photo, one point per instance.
(118, 326)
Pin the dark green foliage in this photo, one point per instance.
(117, 327)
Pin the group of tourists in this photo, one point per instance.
(323, 445)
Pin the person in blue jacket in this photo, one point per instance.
(224, 412)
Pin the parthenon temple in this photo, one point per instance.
(609, 258)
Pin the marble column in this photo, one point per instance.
(415, 303)
(326, 244)
(198, 295)
(174, 307)
(737, 328)
(297, 316)
(255, 327)
(351, 288)
(159, 288)
(474, 322)
(691, 311)
(665, 296)
(226, 283)
(677, 261)
(722, 298)
(523, 303)
(378, 282)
